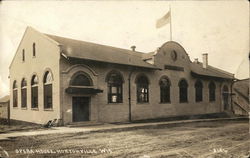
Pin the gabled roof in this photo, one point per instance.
(97, 52)
(210, 71)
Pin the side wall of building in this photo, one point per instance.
(102, 111)
(46, 59)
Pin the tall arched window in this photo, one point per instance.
(34, 49)
(47, 88)
(165, 90)
(14, 94)
(198, 91)
(81, 79)
(115, 81)
(142, 89)
(24, 93)
(183, 91)
(212, 88)
(34, 92)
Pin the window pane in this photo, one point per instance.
(34, 80)
(34, 97)
(48, 96)
(81, 80)
(115, 88)
(24, 98)
(15, 98)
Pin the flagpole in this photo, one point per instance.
(170, 23)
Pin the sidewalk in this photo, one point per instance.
(105, 127)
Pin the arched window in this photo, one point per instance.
(183, 91)
(198, 91)
(115, 81)
(212, 88)
(47, 88)
(34, 49)
(81, 79)
(165, 90)
(23, 55)
(24, 93)
(14, 94)
(142, 89)
(34, 92)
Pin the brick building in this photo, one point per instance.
(55, 77)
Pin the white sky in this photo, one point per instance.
(219, 28)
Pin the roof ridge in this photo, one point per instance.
(136, 52)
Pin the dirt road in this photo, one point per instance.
(200, 139)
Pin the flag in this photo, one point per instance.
(164, 20)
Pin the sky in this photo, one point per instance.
(219, 28)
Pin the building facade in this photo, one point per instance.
(53, 77)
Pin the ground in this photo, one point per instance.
(212, 139)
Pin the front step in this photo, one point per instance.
(83, 124)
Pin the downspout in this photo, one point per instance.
(129, 95)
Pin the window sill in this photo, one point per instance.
(48, 109)
(212, 101)
(142, 103)
(15, 107)
(183, 102)
(35, 109)
(165, 103)
(116, 103)
(24, 108)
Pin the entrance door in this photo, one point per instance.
(80, 108)
(225, 97)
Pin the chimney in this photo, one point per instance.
(205, 60)
(196, 60)
(133, 48)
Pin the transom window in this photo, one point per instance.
(34, 92)
(142, 89)
(183, 91)
(212, 88)
(14, 94)
(81, 79)
(24, 93)
(165, 90)
(47, 86)
(198, 91)
(115, 81)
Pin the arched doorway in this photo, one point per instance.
(225, 95)
(80, 104)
